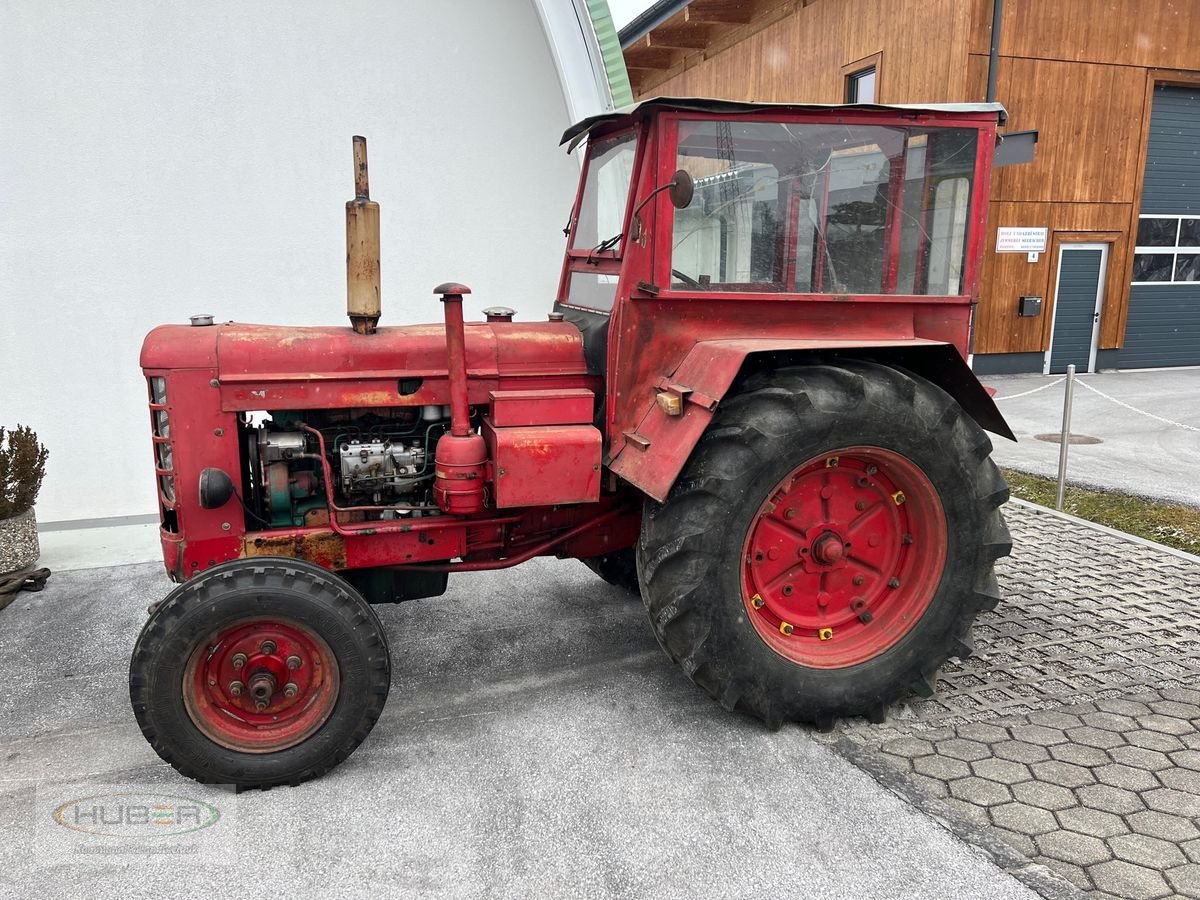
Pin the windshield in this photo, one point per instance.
(824, 208)
(606, 192)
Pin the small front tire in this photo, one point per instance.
(259, 673)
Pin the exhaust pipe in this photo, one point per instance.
(362, 248)
(461, 458)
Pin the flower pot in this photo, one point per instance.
(18, 542)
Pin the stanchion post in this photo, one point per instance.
(1065, 439)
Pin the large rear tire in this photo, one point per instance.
(259, 672)
(828, 545)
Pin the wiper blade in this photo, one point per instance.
(607, 244)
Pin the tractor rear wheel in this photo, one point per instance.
(259, 672)
(828, 545)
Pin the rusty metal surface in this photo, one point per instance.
(318, 546)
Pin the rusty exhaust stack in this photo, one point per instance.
(362, 248)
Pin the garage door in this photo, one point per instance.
(1163, 328)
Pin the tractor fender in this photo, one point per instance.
(655, 452)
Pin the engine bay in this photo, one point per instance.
(381, 462)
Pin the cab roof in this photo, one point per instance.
(577, 132)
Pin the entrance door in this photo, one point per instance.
(1077, 301)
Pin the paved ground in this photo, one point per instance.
(1073, 737)
(1138, 453)
(536, 743)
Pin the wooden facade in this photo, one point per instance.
(1080, 72)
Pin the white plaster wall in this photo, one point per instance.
(159, 159)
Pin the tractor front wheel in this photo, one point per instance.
(259, 672)
(828, 545)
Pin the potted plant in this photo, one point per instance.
(22, 468)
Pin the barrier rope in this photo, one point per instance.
(1034, 391)
(1140, 412)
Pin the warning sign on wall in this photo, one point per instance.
(1021, 240)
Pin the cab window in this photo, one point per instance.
(823, 208)
(601, 214)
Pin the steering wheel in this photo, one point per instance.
(687, 279)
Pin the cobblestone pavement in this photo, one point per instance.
(1073, 735)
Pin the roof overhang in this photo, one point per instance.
(574, 135)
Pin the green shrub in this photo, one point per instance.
(22, 468)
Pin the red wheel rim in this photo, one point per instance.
(844, 557)
(261, 685)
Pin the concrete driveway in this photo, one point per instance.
(536, 743)
(1148, 424)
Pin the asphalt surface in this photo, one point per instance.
(536, 743)
(1148, 426)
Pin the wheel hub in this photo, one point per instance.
(828, 549)
(261, 686)
(844, 556)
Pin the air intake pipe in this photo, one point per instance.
(461, 463)
(362, 248)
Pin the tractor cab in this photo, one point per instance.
(701, 221)
(736, 198)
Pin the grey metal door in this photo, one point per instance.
(1077, 300)
(1163, 325)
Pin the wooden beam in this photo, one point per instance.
(640, 56)
(692, 39)
(719, 12)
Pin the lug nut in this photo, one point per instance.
(865, 617)
(260, 705)
(239, 660)
(290, 690)
(871, 470)
(894, 583)
(268, 647)
(906, 539)
(235, 688)
(858, 579)
(293, 663)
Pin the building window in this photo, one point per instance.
(860, 86)
(1168, 250)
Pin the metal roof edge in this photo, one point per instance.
(611, 54)
(649, 19)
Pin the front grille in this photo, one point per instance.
(160, 423)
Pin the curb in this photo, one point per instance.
(1133, 538)
(1035, 876)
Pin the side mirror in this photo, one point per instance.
(681, 190)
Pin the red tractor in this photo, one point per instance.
(750, 404)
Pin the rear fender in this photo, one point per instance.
(655, 453)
